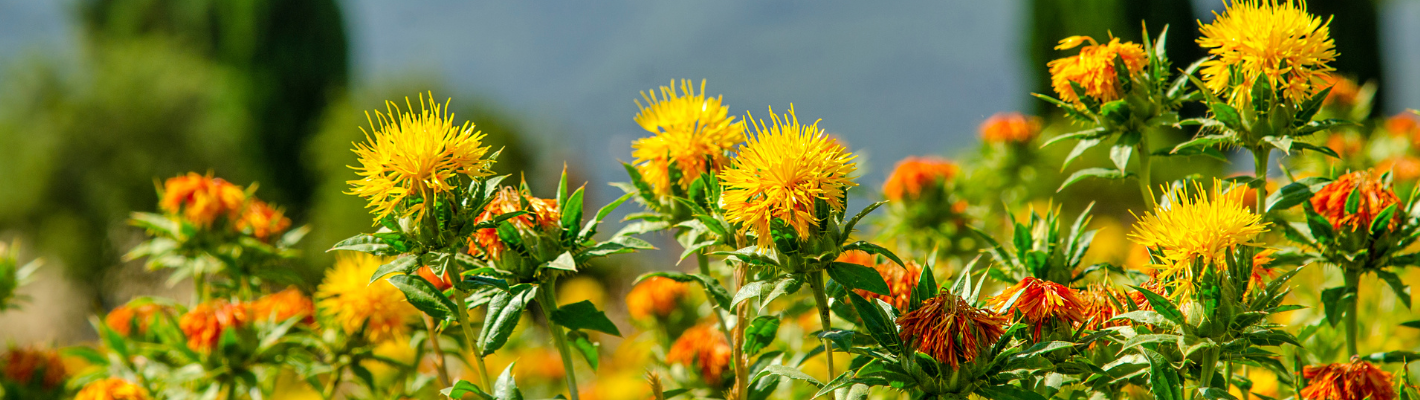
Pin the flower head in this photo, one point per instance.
(1099, 307)
(913, 174)
(1039, 302)
(202, 199)
(1200, 227)
(950, 330)
(262, 221)
(33, 367)
(204, 324)
(1374, 197)
(124, 318)
(1010, 127)
(655, 297)
(544, 215)
(111, 389)
(283, 305)
(1356, 380)
(705, 348)
(349, 299)
(415, 155)
(1093, 68)
(1276, 40)
(781, 172)
(692, 132)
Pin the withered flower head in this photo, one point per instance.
(1330, 201)
(1356, 380)
(34, 367)
(1040, 301)
(950, 330)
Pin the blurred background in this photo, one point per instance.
(100, 99)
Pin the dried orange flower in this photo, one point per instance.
(1330, 201)
(654, 297)
(203, 325)
(262, 221)
(124, 318)
(913, 174)
(1276, 40)
(283, 305)
(34, 366)
(201, 199)
(1357, 380)
(111, 389)
(900, 280)
(950, 330)
(1093, 68)
(704, 348)
(544, 215)
(693, 132)
(1010, 127)
(1099, 309)
(1040, 301)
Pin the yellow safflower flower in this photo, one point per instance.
(111, 389)
(692, 131)
(1093, 68)
(1198, 227)
(779, 174)
(349, 298)
(415, 155)
(1275, 39)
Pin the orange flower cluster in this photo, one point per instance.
(204, 200)
(203, 325)
(654, 297)
(125, 317)
(1093, 68)
(545, 215)
(950, 330)
(1406, 125)
(913, 174)
(1261, 267)
(1356, 380)
(111, 389)
(262, 221)
(900, 280)
(1040, 301)
(33, 366)
(283, 305)
(704, 348)
(1404, 168)
(1330, 201)
(1010, 127)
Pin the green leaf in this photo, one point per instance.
(1318, 126)
(1334, 302)
(880, 327)
(871, 248)
(760, 334)
(787, 372)
(1163, 378)
(852, 223)
(403, 265)
(590, 228)
(572, 211)
(461, 388)
(1320, 149)
(1103, 173)
(564, 262)
(1162, 305)
(1121, 75)
(711, 285)
(584, 346)
(1144, 317)
(1007, 392)
(1396, 285)
(926, 284)
(1353, 201)
(1212, 393)
(505, 388)
(1310, 107)
(1080, 147)
(1294, 193)
(504, 311)
(854, 276)
(1079, 135)
(583, 315)
(366, 243)
(750, 290)
(1382, 221)
(1227, 115)
(1123, 149)
(1147, 338)
(424, 296)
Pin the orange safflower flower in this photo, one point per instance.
(1040, 301)
(1344, 145)
(1093, 68)
(201, 199)
(283, 305)
(1406, 125)
(900, 280)
(1403, 168)
(124, 318)
(441, 283)
(1356, 380)
(1330, 201)
(913, 174)
(34, 366)
(654, 297)
(704, 348)
(111, 389)
(950, 330)
(545, 215)
(1261, 267)
(204, 324)
(1010, 127)
(262, 221)
(1343, 90)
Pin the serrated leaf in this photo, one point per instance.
(504, 311)
(584, 346)
(760, 333)
(422, 295)
(584, 315)
(854, 276)
(1080, 147)
(787, 372)
(403, 265)
(1162, 305)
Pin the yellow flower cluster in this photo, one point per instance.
(1196, 229)
(349, 299)
(1271, 39)
(693, 133)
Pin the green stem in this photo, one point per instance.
(821, 301)
(1210, 364)
(440, 364)
(1145, 178)
(737, 338)
(704, 262)
(547, 300)
(199, 287)
(1259, 166)
(1227, 375)
(469, 337)
(1353, 283)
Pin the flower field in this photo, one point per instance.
(981, 276)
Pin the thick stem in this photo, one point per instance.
(439, 361)
(704, 262)
(821, 301)
(1145, 177)
(470, 338)
(1353, 283)
(547, 300)
(737, 339)
(1259, 166)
